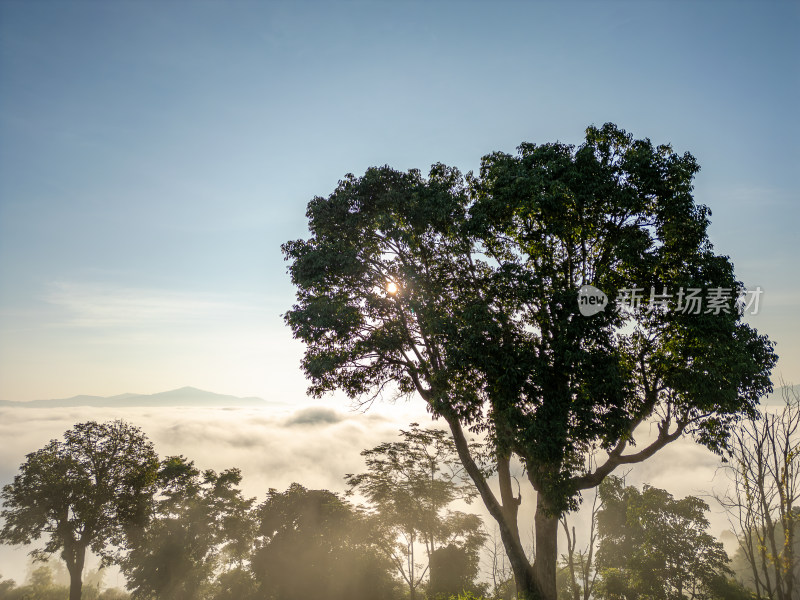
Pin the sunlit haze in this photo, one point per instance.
(154, 157)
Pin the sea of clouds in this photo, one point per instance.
(312, 445)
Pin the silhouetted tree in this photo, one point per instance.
(313, 544)
(199, 522)
(653, 546)
(410, 484)
(454, 570)
(81, 493)
(465, 292)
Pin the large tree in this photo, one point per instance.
(465, 292)
(81, 493)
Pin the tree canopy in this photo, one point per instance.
(198, 523)
(464, 290)
(312, 540)
(653, 546)
(410, 484)
(82, 493)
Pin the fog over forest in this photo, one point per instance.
(315, 445)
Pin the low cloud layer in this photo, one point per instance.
(315, 416)
(315, 446)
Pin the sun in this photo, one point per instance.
(391, 287)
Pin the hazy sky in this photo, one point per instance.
(154, 156)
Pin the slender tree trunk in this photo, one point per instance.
(510, 503)
(523, 573)
(413, 587)
(571, 543)
(503, 514)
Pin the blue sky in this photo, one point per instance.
(154, 156)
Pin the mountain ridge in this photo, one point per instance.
(185, 396)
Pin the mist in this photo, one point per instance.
(314, 445)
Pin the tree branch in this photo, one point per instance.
(616, 458)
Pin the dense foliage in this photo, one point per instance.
(198, 523)
(653, 546)
(464, 290)
(83, 493)
(311, 540)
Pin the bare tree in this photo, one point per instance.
(764, 465)
(499, 568)
(580, 563)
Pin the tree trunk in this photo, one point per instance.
(544, 566)
(537, 582)
(75, 587)
(75, 560)
(503, 514)
(523, 574)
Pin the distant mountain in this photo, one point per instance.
(186, 396)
